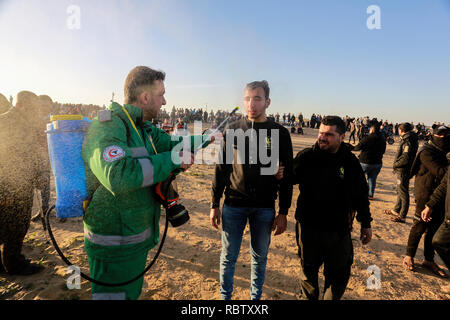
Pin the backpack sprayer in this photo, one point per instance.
(65, 135)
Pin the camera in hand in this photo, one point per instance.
(177, 215)
(166, 192)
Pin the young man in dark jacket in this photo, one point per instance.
(441, 240)
(429, 167)
(402, 168)
(372, 149)
(332, 187)
(249, 175)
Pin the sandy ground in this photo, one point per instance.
(188, 267)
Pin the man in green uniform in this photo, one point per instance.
(124, 156)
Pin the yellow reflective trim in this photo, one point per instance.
(85, 204)
(66, 117)
(132, 122)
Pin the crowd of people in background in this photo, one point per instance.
(357, 127)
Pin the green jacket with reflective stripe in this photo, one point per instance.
(122, 218)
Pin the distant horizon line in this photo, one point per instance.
(169, 109)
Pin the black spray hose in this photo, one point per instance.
(63, 257)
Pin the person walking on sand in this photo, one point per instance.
(332, 187)
(372, 149)
(441, 239)
(251, 188)
(352, 131)
(404, 158)
(429, 167)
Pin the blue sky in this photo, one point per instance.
(318, 56)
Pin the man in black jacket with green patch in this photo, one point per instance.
(332, 187)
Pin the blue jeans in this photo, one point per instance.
(234, 220)
(372, 171)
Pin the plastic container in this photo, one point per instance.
(65, 136)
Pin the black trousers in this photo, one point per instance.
(419, 228)
(15, 216)
(402, 203)
(332, 249)
(441, 242)
(352, 134)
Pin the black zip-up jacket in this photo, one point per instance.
(429, 167)
(372, 149)
(441, 194)
(332, 187)
(241, 177)
(406, 153)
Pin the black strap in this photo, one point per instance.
(126, 126)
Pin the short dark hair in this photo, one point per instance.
(405, 127)
(375, 124)
(138, 78)
(259, 84)
(334, 121)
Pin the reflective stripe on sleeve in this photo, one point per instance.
(109, 296)
(139, 152)
(117, 240)
(147, 172)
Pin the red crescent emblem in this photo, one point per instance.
(112, 153)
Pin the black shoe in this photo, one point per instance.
(25, 267)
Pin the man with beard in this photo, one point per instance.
(332, 187)
(402, 169)
(124, 155)
(429, 167)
